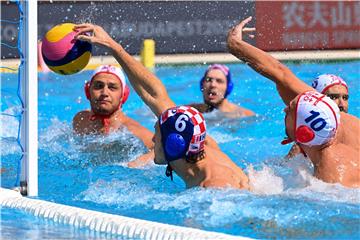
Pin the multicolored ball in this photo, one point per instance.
(62, 53)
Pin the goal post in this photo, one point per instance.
(29, 92)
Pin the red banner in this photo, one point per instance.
(300, 25)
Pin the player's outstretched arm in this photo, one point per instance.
(145, 83)
(288, 85)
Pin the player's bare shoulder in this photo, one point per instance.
(81, 120)
(201, 107)
(349, 133)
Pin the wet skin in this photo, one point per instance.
(105, 93)
(214, 87)
(339, 94)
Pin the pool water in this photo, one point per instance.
(38, 228)
(91, 172)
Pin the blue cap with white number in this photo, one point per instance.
(183, 132)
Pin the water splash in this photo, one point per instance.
(9, 122)
(265, 181)
(64, 148)
(222, 137)
(87, 15)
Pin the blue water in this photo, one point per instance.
(287, 202)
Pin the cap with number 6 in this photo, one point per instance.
(183, 132)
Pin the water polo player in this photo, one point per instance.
(329, 138)
(335, 88)
(180, 133)
(107, 92)
(216, 85)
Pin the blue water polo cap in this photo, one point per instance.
(183, 132)
(224, 69)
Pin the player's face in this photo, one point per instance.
(214, 87)
(105, 93)
(339, 94)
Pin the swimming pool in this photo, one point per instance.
(91, 173)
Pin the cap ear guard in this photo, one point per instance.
(304, 134)
(230, 85)
(176, 134)
(175, 145)
(87, 90)
(202, 83)
(126, 94)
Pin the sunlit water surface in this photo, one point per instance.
(91, 172)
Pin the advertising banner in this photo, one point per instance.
(297, 25)
(199, 26)
(176, 26)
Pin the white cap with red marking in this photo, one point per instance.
(317, 119)
(323, 82)
(118, 73)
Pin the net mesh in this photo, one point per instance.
(11, 104)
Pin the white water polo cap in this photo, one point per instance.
(317, 119)
(323, 82)
(118, 73)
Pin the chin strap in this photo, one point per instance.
(302, 151)
(210, 108)
(169, 173)
(105, 120)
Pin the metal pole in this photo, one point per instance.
(29, 178)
